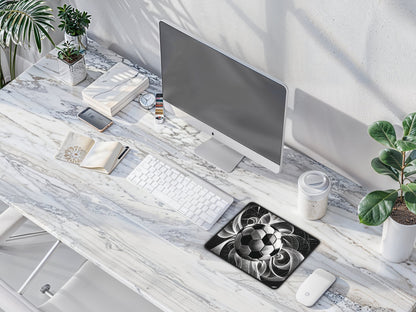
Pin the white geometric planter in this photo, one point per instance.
(78, 41)
(72, 73)
(397, 241)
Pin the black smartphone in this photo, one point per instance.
(95, 119)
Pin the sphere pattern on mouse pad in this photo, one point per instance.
(263, 245)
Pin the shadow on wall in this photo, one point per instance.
(318, 32)
(273, 35)
(335, 136)
(130, 27)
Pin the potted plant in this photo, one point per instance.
(75, 24)
(395, 207)
(72, 67)
(22, 22)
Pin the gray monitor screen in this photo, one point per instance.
(223, 93)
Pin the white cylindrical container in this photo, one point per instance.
(397, 241)
(313, 191)
(80, 41)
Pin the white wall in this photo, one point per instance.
(346, 63)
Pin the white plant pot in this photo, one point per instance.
(397, 241)
(78, 41)
(72, 73)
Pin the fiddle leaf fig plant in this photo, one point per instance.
(398, 161)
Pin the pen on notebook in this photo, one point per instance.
(124, 152)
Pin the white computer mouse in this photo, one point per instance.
(314, 287)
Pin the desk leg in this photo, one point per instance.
(37, 269)
(25, 235)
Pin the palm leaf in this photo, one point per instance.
(25, 21)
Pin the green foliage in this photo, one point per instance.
(409, 125)
(383, 132)
(376, 207)
(69, 52)
(409, 170)
(22, 22)
(410, 196)
(73, 21)
(391, 157)
(410, 163)
(398, 161)
(411, 157)
(408, 143)
(381, 168)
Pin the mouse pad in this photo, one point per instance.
(263, 245)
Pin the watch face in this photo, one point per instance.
(147, 100)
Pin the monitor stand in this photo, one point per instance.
(219, 154)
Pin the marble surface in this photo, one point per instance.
(150, 247)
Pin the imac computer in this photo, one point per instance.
(240, 107)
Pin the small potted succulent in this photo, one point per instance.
(75, 24)
(72, 67)
(395, 207)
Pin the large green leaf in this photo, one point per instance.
(411, 163)
(392, 158)
(383, 132)
(411, 157)
(409, 170)
(410, 196)
(376, 206)
(381, 168)
(409, 125)
(408, 143)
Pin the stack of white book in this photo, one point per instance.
(112, 91)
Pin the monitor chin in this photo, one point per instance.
(219, 154)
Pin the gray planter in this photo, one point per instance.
(72, 73)
(78, 41)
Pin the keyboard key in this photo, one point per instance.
(198, 200)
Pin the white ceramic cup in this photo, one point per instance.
(313, 191)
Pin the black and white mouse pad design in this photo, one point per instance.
(263, 245)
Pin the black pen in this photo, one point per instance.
(123, 153)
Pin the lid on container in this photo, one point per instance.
(314, 183)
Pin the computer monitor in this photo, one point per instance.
(240, 107)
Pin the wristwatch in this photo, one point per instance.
(147, 100)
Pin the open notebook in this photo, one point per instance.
(85, 152)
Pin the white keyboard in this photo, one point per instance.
(199, 201)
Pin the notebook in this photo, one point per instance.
(112, 91)
(87, 153)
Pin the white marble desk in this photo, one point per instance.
(150, 247)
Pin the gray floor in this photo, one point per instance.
(19, 257)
